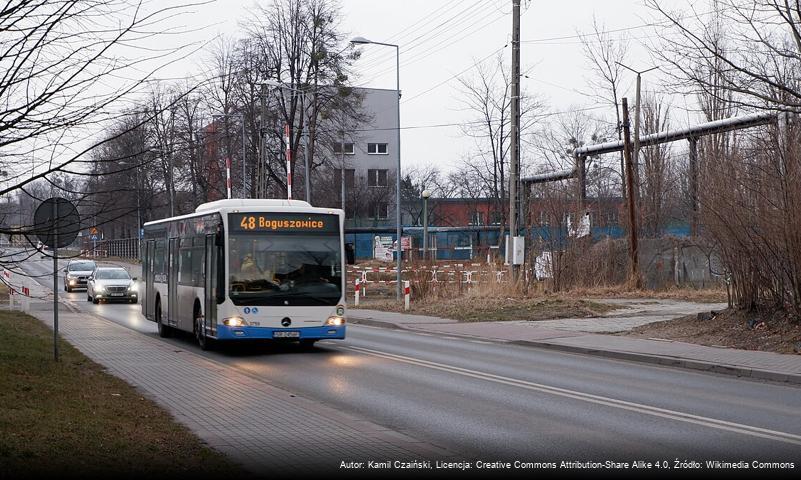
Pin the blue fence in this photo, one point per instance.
(454, 243)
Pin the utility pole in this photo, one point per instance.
(514, 163)
(634, 278)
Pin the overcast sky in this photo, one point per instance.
(440, 39)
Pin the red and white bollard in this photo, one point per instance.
(356, 298)
(407, 293)
(228, 177)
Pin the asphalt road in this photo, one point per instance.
(492, 401)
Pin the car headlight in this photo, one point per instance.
(99, 288)
(335, 321)
(235, 322)
(132, 288)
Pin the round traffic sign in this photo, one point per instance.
(56, 219)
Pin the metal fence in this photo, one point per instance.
(120, 247)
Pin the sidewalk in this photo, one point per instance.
(573, 335)
(266, 429)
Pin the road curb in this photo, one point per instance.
(378, 323)
(662, 360)
(670, 362)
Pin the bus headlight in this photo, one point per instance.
(335, 321)
(234, 322)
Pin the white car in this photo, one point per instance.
(111, 284)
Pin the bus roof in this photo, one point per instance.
(246, 204)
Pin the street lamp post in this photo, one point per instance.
(637, 116)
(302, 93)
(426, 194)
(364, 41)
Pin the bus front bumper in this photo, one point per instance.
(262, 333)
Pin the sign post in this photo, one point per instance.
(57, 224)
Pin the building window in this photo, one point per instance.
(379, 210)
(377, 148)
(349, 178)
(376, 178)
(348, 148)
(477, 218)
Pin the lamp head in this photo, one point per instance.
(360, 41)
(426, 194)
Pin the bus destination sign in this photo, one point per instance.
(283, 223)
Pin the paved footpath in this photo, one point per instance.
(266, 429)
(572, 335)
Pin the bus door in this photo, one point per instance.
(210, 285)
(172, 283)
(148, 270)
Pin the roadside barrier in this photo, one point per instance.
(407, 293)
(356, 294)
(22, 292)
(445, 274)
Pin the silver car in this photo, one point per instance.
(77, 273)
(111, 284)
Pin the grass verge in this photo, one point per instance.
(71, 419)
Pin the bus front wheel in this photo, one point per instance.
(203, 341)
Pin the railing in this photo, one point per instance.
(120, 247)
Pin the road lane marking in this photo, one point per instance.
(588, 397)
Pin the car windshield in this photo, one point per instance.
(112, 275)
(285, 269)
(82, 266)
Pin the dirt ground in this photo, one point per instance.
(766, 331)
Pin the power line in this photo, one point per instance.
(475, 17)
(418, 59)
(474, 65)
(396, 38)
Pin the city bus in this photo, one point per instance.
(247, 269)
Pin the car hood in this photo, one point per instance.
(79, 272)
(112, 283)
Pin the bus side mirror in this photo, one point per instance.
(350, 254)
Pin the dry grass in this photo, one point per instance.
(778, 332)
(483, 307)
(488, 300)
(71, 419)
(707, 295)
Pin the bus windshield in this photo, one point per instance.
(285, 269)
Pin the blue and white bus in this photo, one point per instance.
(247, 269)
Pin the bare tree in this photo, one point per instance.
(605, 53)
(658, 181)
(487, 94)
(298, 41)
(57, 58)
(751, 201)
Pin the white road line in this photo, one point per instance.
(597, 399)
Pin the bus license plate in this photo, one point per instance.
(286, 334)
